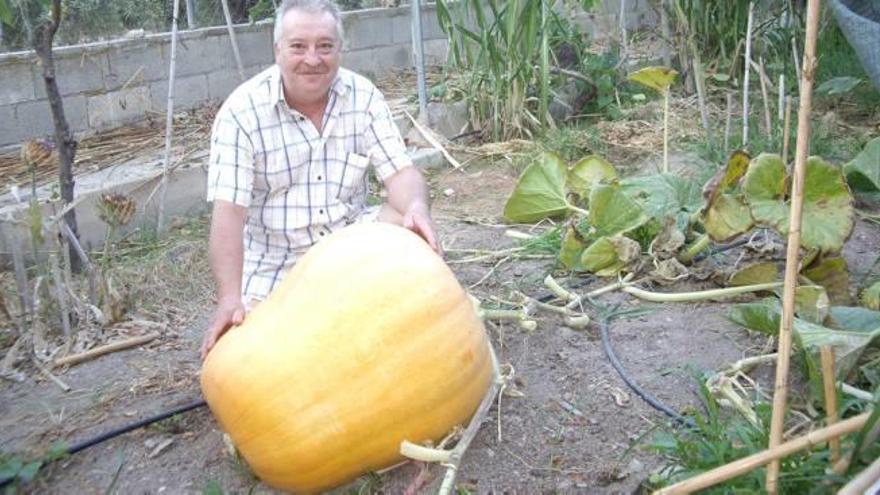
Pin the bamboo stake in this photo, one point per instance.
(827, 355)
(664, 29)
(235, 52)
(169, 118)
(765, 96)
(797, 63)
(865, 482)
(794, 240)
(666, 131)
(785, 130)
(748, 61)
(754, 461)
(105, 349)
(21, 280)
(83, 257)
(48, 374)
(60, 294)
(781, 102)
(623, 35)
(727, 122)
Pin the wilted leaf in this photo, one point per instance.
(727, 217)
(838, 86)
(587, 172)
(665, 195)
(827, 218)
(668, 241)
(727, 177)
(608, 255)
(572, 247)
(811, 303)
(656, 78)
(870, 297)
(670, 269)
(612, 212)
(863, 172)
(758, 273)
(833, 275)
(540, 192)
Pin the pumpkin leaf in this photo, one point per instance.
(863, 172)
(668, 241)
(833, 275)
(665, 195)
(838, 86)
(587, 172)
(727, 217)
(612, 212)
(811, 303)
(758, 273)
(727, 177)
(827, 218)
(870, 297)
(572, 246)
(868, 434)
(5, 13)
(656, 78)
(763, 316)
(608, 255)
(855, 318)
(540, 192)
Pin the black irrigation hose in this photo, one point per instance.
(650, 399)
(121, 430)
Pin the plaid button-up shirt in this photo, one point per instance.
(297, 184)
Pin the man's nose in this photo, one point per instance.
(311, 56)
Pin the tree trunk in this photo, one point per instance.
(44, 34)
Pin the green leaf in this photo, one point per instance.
(29, 471)
(665, 195)
(10, 468)
(6, 13)
(727, 177)
(656, 78)
(572, 247)
(848, 347)
(761, 316)
(540, 192)
(868, 434)
(855, 318)
(863, 172)
(757, 273)
(870, 297)
(833, 275)
(838, 86)
(587, 172)
(827, 218)
(727, 217)
(612, 212)
(608, 255)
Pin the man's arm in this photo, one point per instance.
(226, 257)
(408, 194)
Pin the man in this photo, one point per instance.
(288, 165)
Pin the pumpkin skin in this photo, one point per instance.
(369, 340)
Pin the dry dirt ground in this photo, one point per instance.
(575, 429)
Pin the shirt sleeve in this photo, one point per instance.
(231, 160)
(385, 147)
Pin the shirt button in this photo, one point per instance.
(321, 234)
(319, 177)
(320, 212)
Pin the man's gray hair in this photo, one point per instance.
(312, 7)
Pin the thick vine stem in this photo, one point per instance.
(558, 290)
(452, 458)
(700, 295)
(621, 283)
(694, 249)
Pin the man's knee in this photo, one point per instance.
(388, 214)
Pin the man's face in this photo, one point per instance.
(308, 55)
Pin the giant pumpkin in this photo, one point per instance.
(368, 341)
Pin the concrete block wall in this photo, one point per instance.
(112, 83)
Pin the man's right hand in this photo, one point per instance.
(227, 315)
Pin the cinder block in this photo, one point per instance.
(430, 25)
(363, 29)
(17, 82)
(33, 119)
(436, 51)
(255, 47)
(400, 27)
(200, 55)
(136, 63)
(189, 92)
(221, 83)
(118, 107)
(82, 71)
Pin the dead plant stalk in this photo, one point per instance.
(794, 240)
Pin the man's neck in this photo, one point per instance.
(314, 110)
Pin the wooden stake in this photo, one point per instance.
(785, 128)
(84, 259)
(781, 102)
(754, 461)
(827, 355)
(727, 122)
(105, 349)
(780, 394)
(765, 95)
(169, 119)
(865, 482)
(26, 304)
(60, 293)
(748, 62)
(232, 39)
(665, 32)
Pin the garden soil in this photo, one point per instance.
(574, 426)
